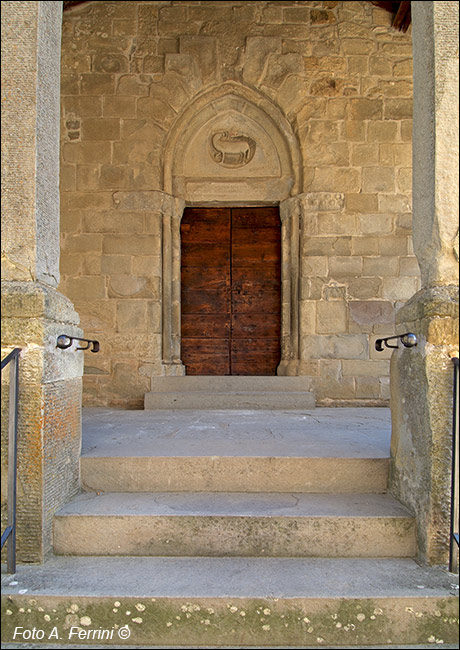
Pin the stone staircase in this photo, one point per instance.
(235, 528)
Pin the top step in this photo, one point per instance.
(234, 383)
(229, 392)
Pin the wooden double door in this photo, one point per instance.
(231, 291)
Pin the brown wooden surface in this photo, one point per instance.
(231, 291)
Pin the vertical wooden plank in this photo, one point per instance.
(205, 291)
(256, 291)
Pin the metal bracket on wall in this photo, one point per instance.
(408, 339)
(64, 342)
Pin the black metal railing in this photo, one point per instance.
(453, 551)
(408, 339)
(9, 534)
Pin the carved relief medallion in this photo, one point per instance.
(231, 149)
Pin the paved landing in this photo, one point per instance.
(322, 432)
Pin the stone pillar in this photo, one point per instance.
(33, 312)
(421, 377)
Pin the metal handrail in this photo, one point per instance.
(9, 534)
(454, 498)
(65, 341)
(409, 340)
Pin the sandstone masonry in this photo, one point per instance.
(341, 79)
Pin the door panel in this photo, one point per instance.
(257, 301)
(214, 279)
(231, 291)
(253, 253)
(206, 325)
(254, 356)
(209, 356)
(203, 255)
(246, 326)
(206, 225)
(255, 218)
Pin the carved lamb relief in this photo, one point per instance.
(231, 149)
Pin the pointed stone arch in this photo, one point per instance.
(257, 158)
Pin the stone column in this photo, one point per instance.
(291, 223)
(33, 312)
(171, 292)
(421, 377)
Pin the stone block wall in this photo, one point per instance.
(343, 79)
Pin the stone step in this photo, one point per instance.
(229, 400)
(233, 474)
(230, 383)
(232, 392)
(232, 602)
(325, 450)
(235, 524)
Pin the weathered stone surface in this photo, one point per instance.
(399, 288)
(345, 266)
(364, 246)
(131, 244)
(364, 203)
(364, 288)
(340, 346)
(96, 316)
(133, 85)
(377, 179)
(87, 152)
(375, 224)
(82, 243)
(131, 316)
(331, 317)
(329, 246)
(382, 131)
(119, 106)
(366, 109)
(97, 83)
(112, 221)
(337, 224)
(86, 287)
(381, 266)
(370, 312)
(127, 286)
(95, 128)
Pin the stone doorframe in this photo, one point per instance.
(293, 215)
